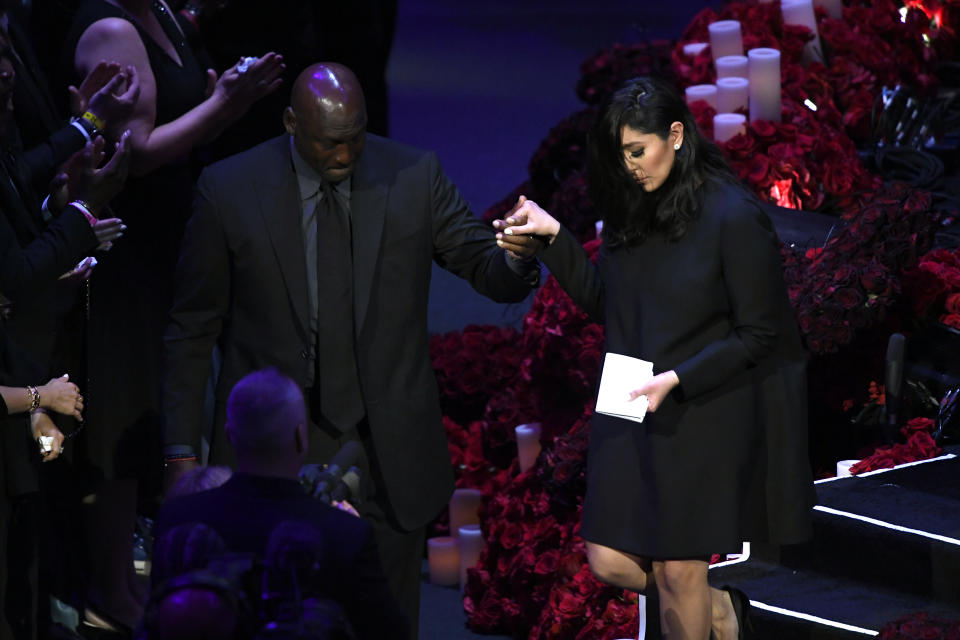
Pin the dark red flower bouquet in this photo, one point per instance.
(919, 445)
(933, 288)
(921, 626)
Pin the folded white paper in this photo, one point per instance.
(621, 375)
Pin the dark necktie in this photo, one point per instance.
(340, 400)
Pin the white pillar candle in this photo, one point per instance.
(764, 70)
(725, 39)
(843, 467)
(694, 48)
(464, 508)
(471, 544)
(800, 12)
(834, 7)
(727, 125)
(443, 558)
(733, 94)
(731, 67)
(528, 444)
(707, 92)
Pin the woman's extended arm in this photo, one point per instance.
(59, 394)
(229, 97)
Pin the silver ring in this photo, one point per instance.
(245, 63)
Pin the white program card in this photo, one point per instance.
(621, 375)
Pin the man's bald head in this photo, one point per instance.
(327, 118)
(266, 419)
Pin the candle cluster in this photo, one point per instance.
(449, 557)
(748, 83)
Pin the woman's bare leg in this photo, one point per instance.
(620, 569)
(685, 599)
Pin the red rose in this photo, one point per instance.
(873, 277)
(765, 132)
(741, 147)
(951, 320)
(916, 425)
(952, 303)
(844, 274)
(848, 297)
(512, 535)
(547, 563)
(759, 170)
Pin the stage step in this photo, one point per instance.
(885, 544)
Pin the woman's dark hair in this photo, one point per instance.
(629, 213)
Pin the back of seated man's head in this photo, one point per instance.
(266, 419)
(197, 612)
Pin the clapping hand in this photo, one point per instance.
(526, 229)
(109, 91)
(86, 180)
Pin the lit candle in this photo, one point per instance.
(733, 94)
(725, 39)
(834, 7)
(800, 12)
(471, 544)
(464, 508)
(443, 558)
(764, 71)
(694, 48)
(706, 92)
(727, 125)
(528, 444)
(731, 67)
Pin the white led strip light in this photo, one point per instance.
(810, 618)
(887, 525)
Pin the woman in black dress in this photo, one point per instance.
(689, 277)
(181, 106)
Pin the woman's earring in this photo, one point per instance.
(676, 147)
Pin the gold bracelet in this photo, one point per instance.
(92, 118)
(35, 402)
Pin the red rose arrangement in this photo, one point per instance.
(933, 288)
(921, 626)
(919, 445)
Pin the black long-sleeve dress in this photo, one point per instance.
(723, 459)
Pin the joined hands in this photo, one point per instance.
(526, 229)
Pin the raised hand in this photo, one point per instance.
(97, 186)
(94, 81)
(244, 83)
(113, 101)
(526, 229)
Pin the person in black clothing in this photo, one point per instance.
(267, 427)
(689, 277)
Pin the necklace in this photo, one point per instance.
(172, 29)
